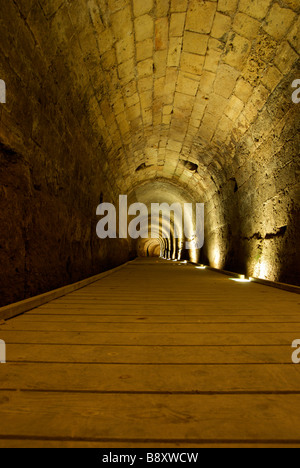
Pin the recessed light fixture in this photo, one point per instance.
(241, 279)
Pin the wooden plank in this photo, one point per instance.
(154, 319)
(152, 328)
(139, 309)
(133, 300)
(140, 378)
(152, 418)
(18, 308)
(151, 339)
(149, 354)
(154, 354)
(162, 310)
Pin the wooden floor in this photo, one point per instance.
(157, 354)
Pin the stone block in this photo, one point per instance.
(174, 51)
(133, 112)
(216, 105)
(126, 71)
(174, 146)
(221, 26)
(206, 82)
(279, 21)
(146, 99)
(250, 112)
(192, 63)
(145, 68)
(105, 41)
(187, 84)
(272, 78)
(213, 56)
(108, 60)
(294, 36)
(161, 33)
(243, 90)
(225, 124)
(234, 108)
(121, 23)
(125, 49)
(123, 124)
(285, 58)
(95, 16)
(144, 49)
(294, 4)
(167, 110)
(195, 43)
(177, 24)
(144, 84)
(160, 63)
(140, 7)
(238, 49)
(255, 8)
(227, 6)
(178, 5)
(182, 101)
(132, 100)
(200, 16)
(170, 83)
(220, 137)
(206, 132)
(143, 27)
(226, 80)
(119, 107)
(161, 8)
(159, 85)
(246, 26)
(115, 5)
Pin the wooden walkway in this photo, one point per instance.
(157, 354)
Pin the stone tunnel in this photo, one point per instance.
(162, 101)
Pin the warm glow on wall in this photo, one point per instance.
(216, 258)
(262, 270)
(194, 254)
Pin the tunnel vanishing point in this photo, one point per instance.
(168, 102)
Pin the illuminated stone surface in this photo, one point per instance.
(98, 89)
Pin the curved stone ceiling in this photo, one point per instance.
(167, 97)
(171, 86)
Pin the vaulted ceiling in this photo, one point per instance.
(159, 99)
(169, 86)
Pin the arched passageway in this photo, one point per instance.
(165, 102)
(150, 248)
(107, 97)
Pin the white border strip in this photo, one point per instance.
(18, 308)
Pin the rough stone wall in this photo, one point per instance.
(51, 176)
(105, 95)
(255, 229)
